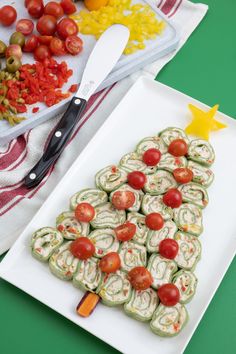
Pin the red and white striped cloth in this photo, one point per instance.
(18, 204)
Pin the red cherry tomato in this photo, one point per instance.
(67, 27)
(14, 50)
(41, 53)
(84, 212)
(47, 25)
(54, 9)
(154, 221)
(57, 46)
(28, 1)
(125, 232)
(82, 248)
(123, 199)
(31, 44)
(68, 7)
(172, 198)
(35, 8)
(7, 15)
(46, 40)
(151, 157)
(168, 294)
(110, 263)
(168, 248)
(178, 147)
(183, 175)
(25, 26)
(136, 179)
(140, 278)
(74, 45)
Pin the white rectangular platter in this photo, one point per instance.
(127, 64)
(148, 108)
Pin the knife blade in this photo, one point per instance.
(102, 60)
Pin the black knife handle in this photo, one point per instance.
(57, 143)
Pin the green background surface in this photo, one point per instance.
(205, 69)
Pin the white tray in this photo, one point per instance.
(148, 108)
(155, 49)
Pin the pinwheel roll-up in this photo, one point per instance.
(169, 162)
(44, 242)
(168, 321)
(141, 228)
(134, 162)
(88, 275)
(110, 178)
(155, 237)
(114, 288)
(70, 227)
(137, 193)
(189, 252)
(159, 183)
(201, 174)
(161, 269)
(201, 151)
(151, 142)
(92, 196)
(186, 282)
(105, 241)
(107, 216)
(132, 255)
(62, 263)
(142, 304)
(194, 193)
(154, 204)
(188, 218)
(172, 133)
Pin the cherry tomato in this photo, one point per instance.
(140, 278)
(46, 40)
(178, 147)
(168, 248)
(123, 199)
(57, 46)
(136, 179)
(154, 221)
(151, 157)
(68, 7)
(35, 8)
(67, 27)
(14, 50)
(74, 45)
(95, 4)
(28, 1)
(125, 232)
(110, 263)
(54, 9)
(172, 198)
(84, 212)
(31, 44)
(41, 53)
(25, 26)
(168, 294)
(47, 25)
(7, 15)
(82, 248)
(183, 175)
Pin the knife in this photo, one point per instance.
(102, 60)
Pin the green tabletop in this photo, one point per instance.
(205, 69)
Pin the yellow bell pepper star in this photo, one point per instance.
(203, 122)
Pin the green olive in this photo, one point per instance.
(13, 64)
(17, 38)
(3, 48)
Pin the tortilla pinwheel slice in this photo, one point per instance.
(168, 321)
(151, 142)
(141, 228)
(201, 174)
(188, 218)
(105, 241)
(186, 282)
(62, 263)
(70, 227)
(44, 242)
(189, 252)
(169, 162)
(154, 204)
(92, 196)
(172, 133)
(142, 304)
(195, 194)
(161, 269)
(137, 193)
(132, 255)
(134, 162)
(202, 152)
(107, 216)
(155, 237)
(159, 182)
(88, 274)
(114, 288)
(110, 178)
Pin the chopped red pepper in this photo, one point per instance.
(73, 88)
(35, 109)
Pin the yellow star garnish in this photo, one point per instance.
(203, 122)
